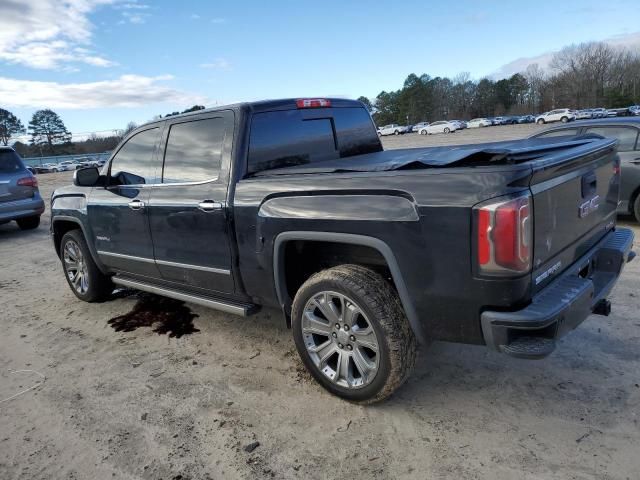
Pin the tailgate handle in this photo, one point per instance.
(589, 183)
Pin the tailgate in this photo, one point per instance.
(575, 198)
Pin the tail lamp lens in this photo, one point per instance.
(504, 236)
(28, 182)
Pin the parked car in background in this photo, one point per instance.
(461, 124)
(418, 126)
(48, 168)
(584, 114)
(20, 198)
(598, 112)
(498, 120)
(68, 165)
(563, 115)
(626, 131)
(634, 110)
(478, 122)
(443, 126)
(527, 119)
(392, 129)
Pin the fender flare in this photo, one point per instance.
(69, 218)
(279, 275)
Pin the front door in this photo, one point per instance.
(118, 213)
(187, 209)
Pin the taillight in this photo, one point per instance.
(313, 102)
(504, 236)
(28, 182)
(616, 166)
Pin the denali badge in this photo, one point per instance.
(589, 206)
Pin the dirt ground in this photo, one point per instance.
(181, 398)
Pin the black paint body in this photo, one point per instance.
(422, 218)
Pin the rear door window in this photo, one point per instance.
(133, 164)
(626, 136)
(296, 137)
(194, 151)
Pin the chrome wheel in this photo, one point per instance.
(75, 267)
(340, 340)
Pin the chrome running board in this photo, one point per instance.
(237, 309)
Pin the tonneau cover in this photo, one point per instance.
(483, 154)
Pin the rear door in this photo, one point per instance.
(118, 213)
(629, 153)
(12, 170)
(188, 211)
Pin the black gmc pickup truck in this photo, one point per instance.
(294, 204)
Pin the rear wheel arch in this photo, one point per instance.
(285, 295)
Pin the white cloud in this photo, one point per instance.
(48, 33)
(125, 91)
(217, 64)
(218, 20)
(134, 12)
(627, 40)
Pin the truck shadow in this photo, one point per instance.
(165, 316)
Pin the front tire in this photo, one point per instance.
(84, 277)
(564, 119)
(447, 130)
(28, 223)
(352, 334)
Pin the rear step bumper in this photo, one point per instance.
(563, 304)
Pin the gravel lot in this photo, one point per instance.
(125, 400)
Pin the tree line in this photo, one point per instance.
(50, 136)
(588, 75)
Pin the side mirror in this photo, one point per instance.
(86, 177)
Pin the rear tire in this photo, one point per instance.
(540, 122)
(367, 311)
(446, 130)
(84, 277)
(396, 132)
(29, 223)
(636, 208)
(564, 119)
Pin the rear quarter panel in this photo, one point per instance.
(424, 216)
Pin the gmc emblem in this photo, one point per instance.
(589, 206)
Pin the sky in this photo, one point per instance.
(103, 63)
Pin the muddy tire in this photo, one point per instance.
(352, 334)
(84, 277)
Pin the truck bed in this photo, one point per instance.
(484, 154)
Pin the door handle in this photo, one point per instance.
(209, 206)
(136, 204)
(635, 161)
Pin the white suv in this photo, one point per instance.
(393, 129)
(563, 115)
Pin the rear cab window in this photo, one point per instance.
(286, 138)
